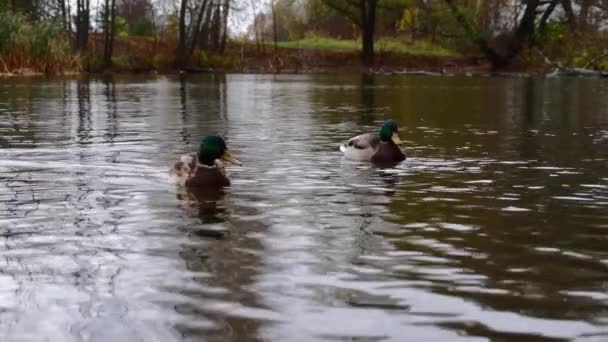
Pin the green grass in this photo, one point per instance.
(42, 46)
(419, 47)
(321, 43)
(381, 45)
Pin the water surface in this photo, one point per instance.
(494, 229)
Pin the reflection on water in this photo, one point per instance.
(494, 228)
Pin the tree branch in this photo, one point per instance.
(595, 60)
(567, 5)
(352, 14)
(543, 20)
(471, 32)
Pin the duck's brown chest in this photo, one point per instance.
(209, 178)
(388, 153)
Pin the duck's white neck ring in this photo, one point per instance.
(217, 164)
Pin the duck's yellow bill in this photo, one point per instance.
(395, 138)
(229, 158)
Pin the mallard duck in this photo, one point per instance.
(380, 149)
(205, 169)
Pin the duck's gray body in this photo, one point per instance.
(369, 147)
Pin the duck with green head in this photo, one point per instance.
(380, 149)
(205, 169)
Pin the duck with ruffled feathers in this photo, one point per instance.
(205, 169)
(378, 149)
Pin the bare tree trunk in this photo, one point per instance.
(112, 32)
(524, 33)
(181, 45)
(274, 26)
(363, 14)
(109, 32)
(261, 30)
(69, 18)
(197, 26)
(414, 24)
(255, 26)
(567, 5)
(368, 25)
(543, 20)
(215, 28)
(225, 26)
(87, 22)
(64, 21)
(583, 15)
(82, 24)
(470, 31)
(78, 19)
(106, 34)
(525, 30)
(204, 37)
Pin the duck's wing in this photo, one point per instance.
(190, 160)
(185, 166)
(363, 141)
(361, 147)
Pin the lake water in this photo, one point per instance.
(494, 229)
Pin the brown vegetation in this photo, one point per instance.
(246, 58)
(303, 36)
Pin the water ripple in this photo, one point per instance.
(493, 229)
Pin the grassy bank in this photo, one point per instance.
(383, 45)
(140, 54)
(327, 55)
(45, 48)
(28, 48)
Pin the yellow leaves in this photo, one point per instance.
(407, 22)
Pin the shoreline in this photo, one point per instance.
(445, 71)
(245, 59)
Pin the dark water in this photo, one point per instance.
(494, 229)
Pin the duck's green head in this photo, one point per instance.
(213, 147)
(390, 132)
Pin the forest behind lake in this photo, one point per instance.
(293, 36)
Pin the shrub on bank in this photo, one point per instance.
(205, 59)
(41, 46)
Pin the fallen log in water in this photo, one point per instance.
(581, 72)
(567, 71)
(197, 70)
